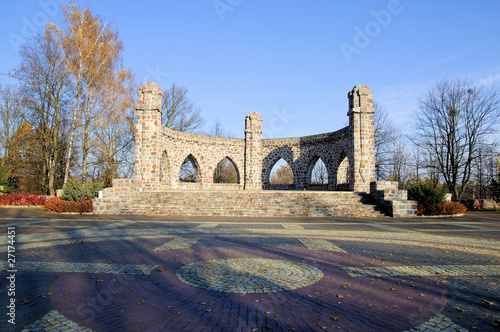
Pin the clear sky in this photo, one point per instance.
(292, 61)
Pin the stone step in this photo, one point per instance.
(252, 204)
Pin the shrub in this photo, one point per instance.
(428, 193)
(478, 204)
(56, 204)
(453, 208)
(75, 190)
(447, 208)
(22, 199)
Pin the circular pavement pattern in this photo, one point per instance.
(249, 275)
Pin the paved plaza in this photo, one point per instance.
(138, 273)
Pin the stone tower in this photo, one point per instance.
(147, 154)
(253, 152)
(362, 152)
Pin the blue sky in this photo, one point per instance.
(292, 61)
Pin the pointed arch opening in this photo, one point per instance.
(343, 174)
(164, 168)
(226, 172)
(281, 173)
(189, 171)
(319, 173)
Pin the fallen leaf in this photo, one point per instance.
(340, 296)
(495, 323)
(488, 302)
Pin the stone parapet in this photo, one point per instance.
(393, 200)
(111, 200)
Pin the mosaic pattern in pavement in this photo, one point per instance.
(143, 275)
(249, 275)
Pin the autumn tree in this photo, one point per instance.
(10, 116)
(42, 86)
(281, 173)
(25, 159)
(92, 59)
(455, 118)
(113, 132)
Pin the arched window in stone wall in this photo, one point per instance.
(281, 173)
(319, 173)
(226, 172)
(164, 168)
(343, 175)
(190, 170)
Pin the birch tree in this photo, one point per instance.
(92, 57)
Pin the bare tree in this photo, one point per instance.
(319, 174)
(400, 164)
(384, 136)
(179, 113)
(225, 171)
(43, 83)
(484, 172)
(455, 118)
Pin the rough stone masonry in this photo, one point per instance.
(348, 154)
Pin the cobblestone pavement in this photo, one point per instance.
(120, 273)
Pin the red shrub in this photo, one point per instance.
(448, 208)
(22, 199)
(478, 204)
(57, 204)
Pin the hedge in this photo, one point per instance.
(448, 208)
(57, 204)
(22, 199)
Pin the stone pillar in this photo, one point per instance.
(147, 154)
(362, 151)
(253, 152)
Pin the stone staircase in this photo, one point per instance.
(241, 203)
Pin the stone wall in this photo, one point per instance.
(394, 201)
(348, 154)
